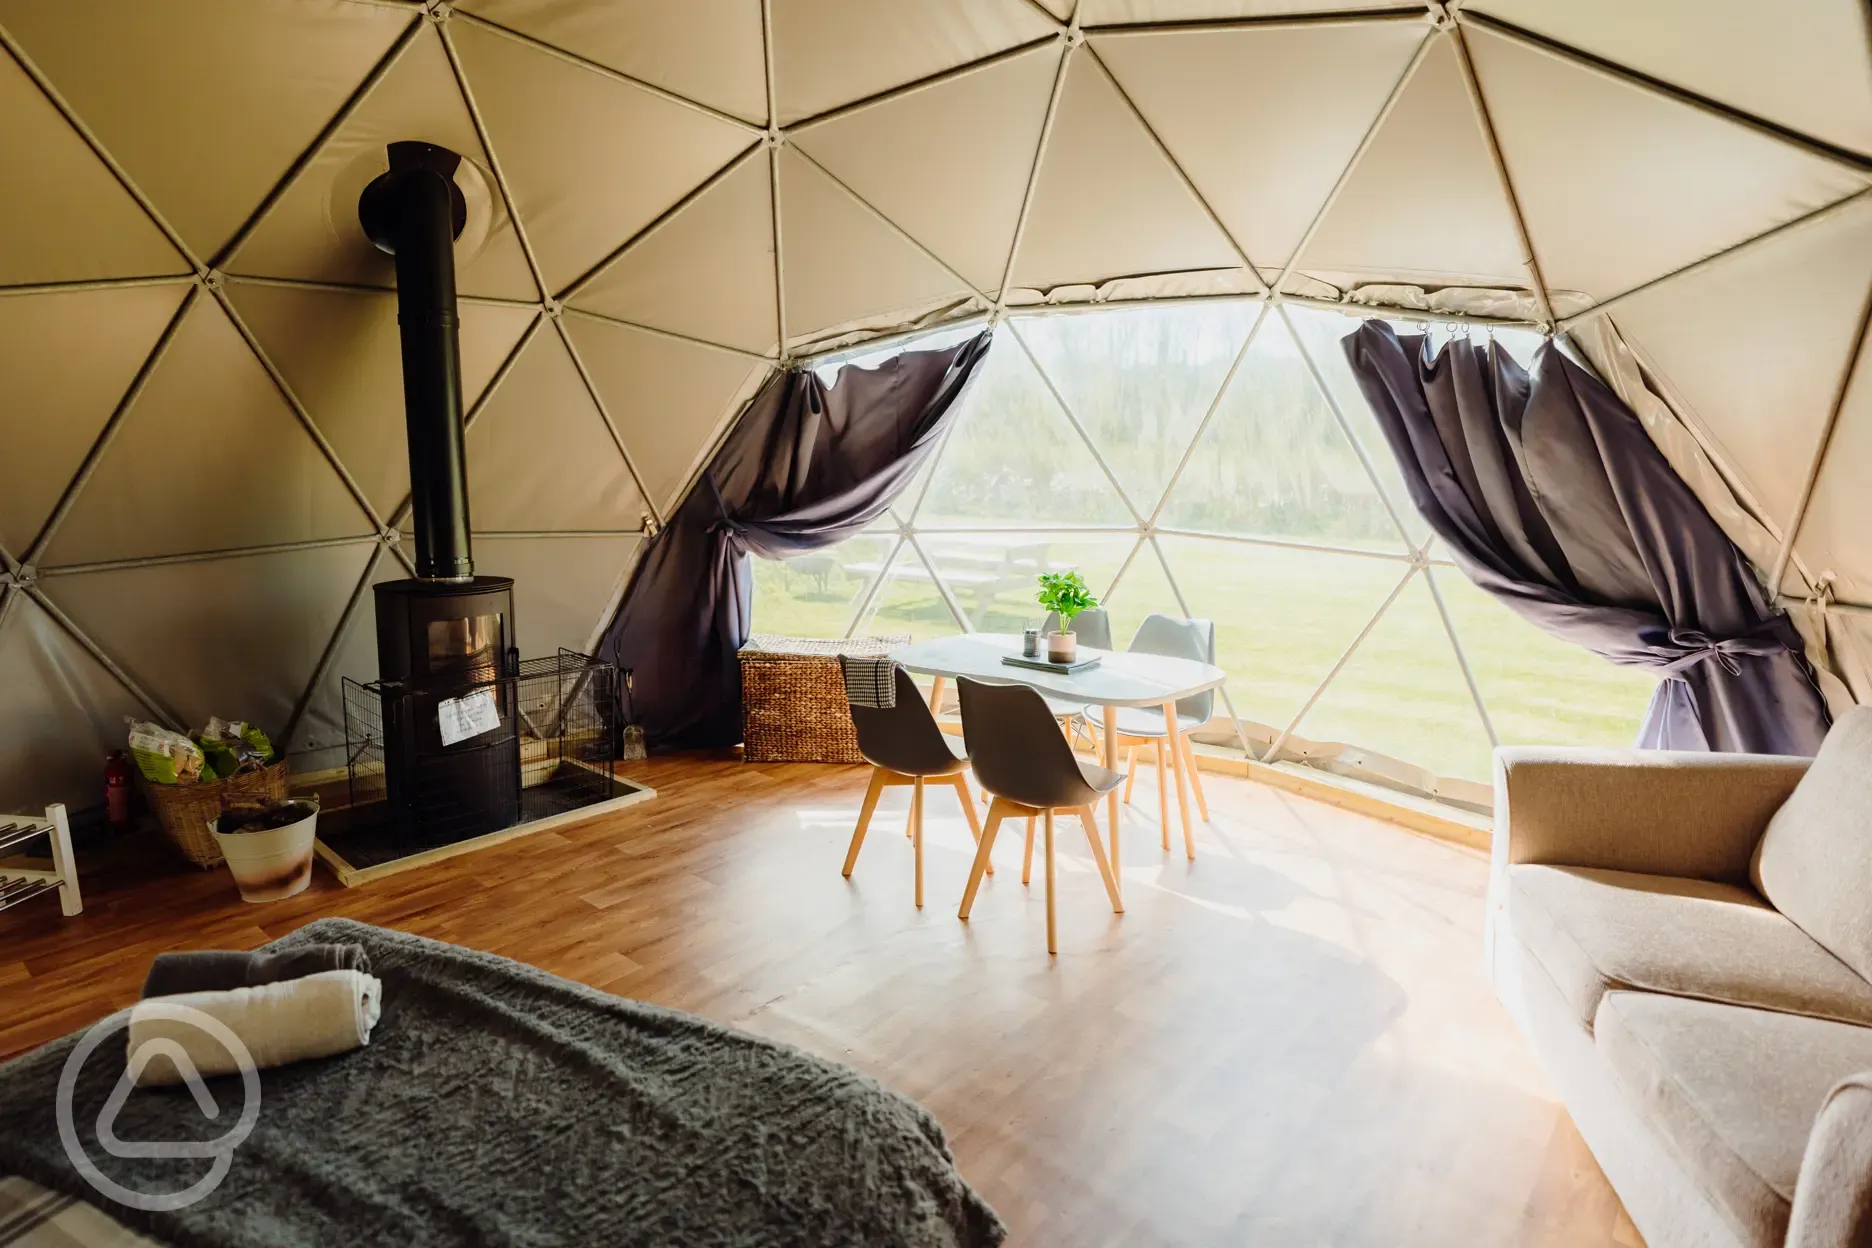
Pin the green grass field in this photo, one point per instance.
(1283, 618)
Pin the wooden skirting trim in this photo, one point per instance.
(1455, 827)
(1431, 818)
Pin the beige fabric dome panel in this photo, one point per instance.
(200, 391)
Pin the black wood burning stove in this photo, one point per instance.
(445, 639)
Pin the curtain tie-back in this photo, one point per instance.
(727, 526)
(1697, 646)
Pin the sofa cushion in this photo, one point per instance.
(1734, 1091)
(1815, 860)
(1597, 930)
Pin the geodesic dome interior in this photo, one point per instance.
(200, 400)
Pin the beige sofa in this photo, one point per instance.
(1686, 941)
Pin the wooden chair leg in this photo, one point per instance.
(1027, 854)
(995, 815)
(1195, 775)
(864, 819)
(1052, 922)
(968, 811)
(1098, 857)
(1130, 772)
(1163, 794)
(1172, 731)
(916, 828)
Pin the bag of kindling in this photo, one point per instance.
(164, 757)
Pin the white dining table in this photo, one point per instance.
(1121, 679)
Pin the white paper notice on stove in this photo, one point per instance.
(468, 716)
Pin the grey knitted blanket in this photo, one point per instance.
(497, 1104)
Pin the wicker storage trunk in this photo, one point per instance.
(793, 698)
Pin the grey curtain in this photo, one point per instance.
(1550, 495)
(807, 465)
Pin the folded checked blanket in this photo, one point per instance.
(498, 1104)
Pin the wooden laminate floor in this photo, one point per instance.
(1287, 1042)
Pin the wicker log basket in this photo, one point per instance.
(793, 707)
(185, 809)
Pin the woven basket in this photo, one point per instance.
(793, 707)
(185, 809)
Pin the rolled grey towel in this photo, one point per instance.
(217, 970)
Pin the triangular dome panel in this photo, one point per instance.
(1832, 538)
(706, 50)
(1274, 462)
(1424, 203)
(340, 353)
(705, 271)
(591, 160)
(1012, 456)
(961, 200)
(68, 359)
(1248, 115)
(312, 231)
(1402, 694)
(907, 602)
(1623, 185)
(205, 108)
(539, 456)
(1801, 65)
(563, 586)
(1313, 602)
(990, 576)
(65, 217)
(64, 711)
(1143, 588)
(668, 398)
(816, 594)
(319, 738)
(1755, 345)
(270, 617)
(181, 474)
(1140, 380)
(1541, 689)
(1107, 203)
(1322, 335)
(831, 52)
(842, 263)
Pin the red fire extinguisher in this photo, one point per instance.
(117, 790)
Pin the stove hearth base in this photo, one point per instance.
(455, 760)
(366, 842)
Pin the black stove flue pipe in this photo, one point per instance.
(415, 212)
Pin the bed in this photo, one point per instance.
(497, 1104)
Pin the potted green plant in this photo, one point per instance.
(1065, 595)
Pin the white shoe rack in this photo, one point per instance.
(23, 878)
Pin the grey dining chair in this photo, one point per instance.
(905, 747)
(1093, 628)
(1140, 729)
(1028, 769)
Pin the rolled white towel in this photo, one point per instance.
(289, 1021)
